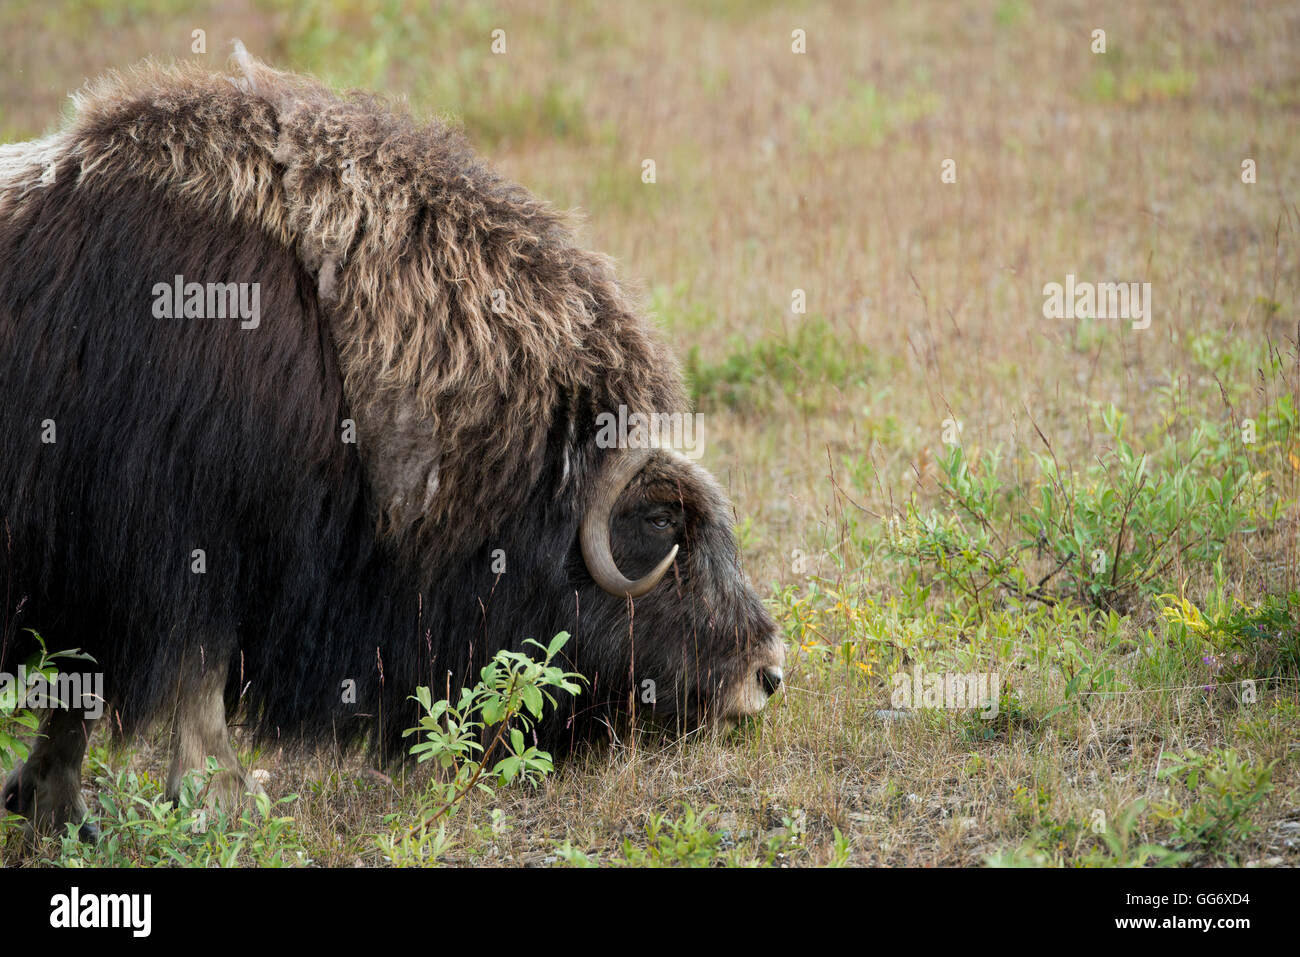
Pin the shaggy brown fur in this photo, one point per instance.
(410, 236)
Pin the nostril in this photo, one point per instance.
(770, 679)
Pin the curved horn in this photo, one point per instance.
(594, 536)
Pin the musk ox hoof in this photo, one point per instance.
(17, 793)
(229, 792)
(49, 802)
(235, 791)
(88, 833)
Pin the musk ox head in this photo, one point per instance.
(661, 571)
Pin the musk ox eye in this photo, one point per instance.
(660, 521)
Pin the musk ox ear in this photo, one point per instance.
(594, 535)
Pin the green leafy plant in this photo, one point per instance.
(841, 849)
(1102, 535)
(1118, 528)
(1240, 641)
(797, 364)
(1117, 844)
(687, 841)
(1224, 788)
(18, 721)
(574, 857)
(1122, 847)
(481, 740)
(140, 828)
(1087, 672)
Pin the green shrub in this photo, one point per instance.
(1223, 789)
(799, 365)
(479, 741)
(684, 842)
(139, 828)
(1105, 535)
(1238, 641)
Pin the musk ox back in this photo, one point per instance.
(297, 395)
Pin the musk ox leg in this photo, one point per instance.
(46, 788)
(198, 732)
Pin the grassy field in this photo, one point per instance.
(929, 474)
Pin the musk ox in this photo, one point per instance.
(369, 460)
